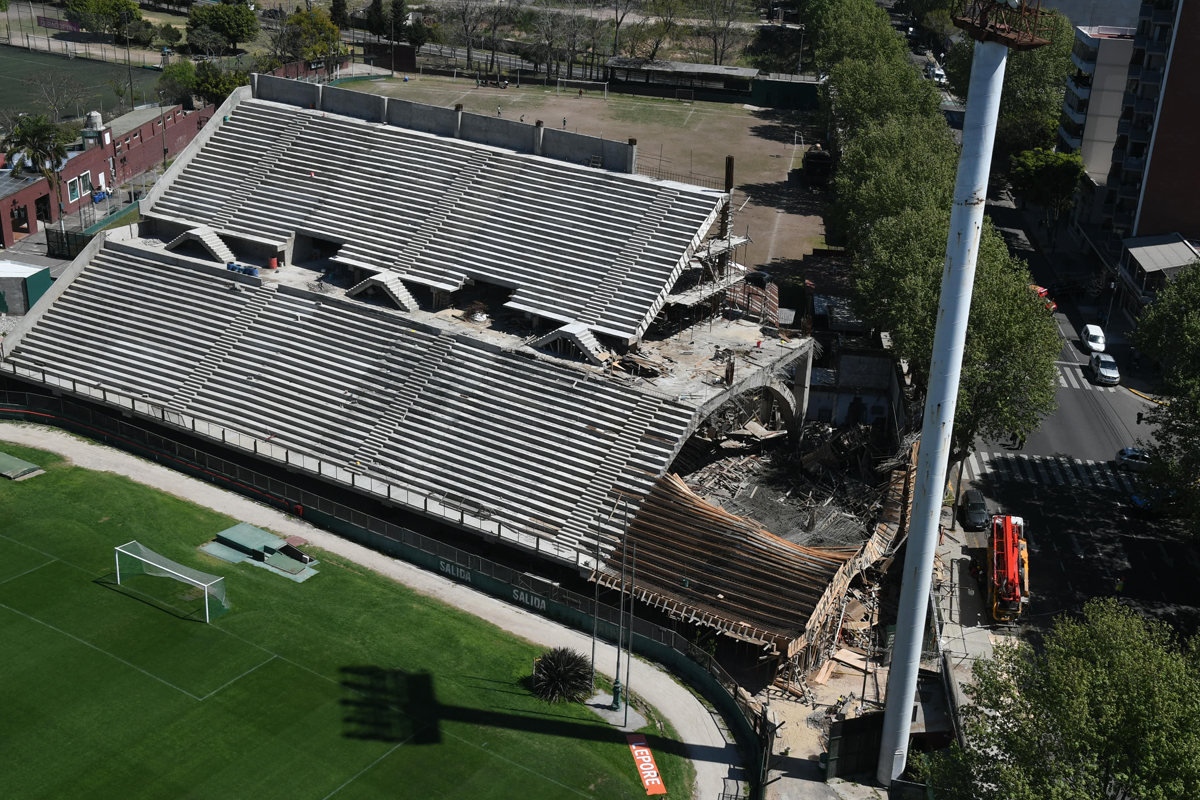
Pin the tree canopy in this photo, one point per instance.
(1008, 374)
(102, 16)
(214, 83)
(38, 145)
(1109, 708)
(339, 15)
(1169, 332)
(234, 22)
(1034, 82)
(177, 81)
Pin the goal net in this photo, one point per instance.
(137, 559)
(687, 95)
(596, 89)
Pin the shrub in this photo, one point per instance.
(562, 674)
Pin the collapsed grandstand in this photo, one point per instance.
(490, 323)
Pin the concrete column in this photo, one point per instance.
(539, 133)
(254, 84)
(633, 156)
(458, 112)
(726, 213)
(801, 385)
(320, 100)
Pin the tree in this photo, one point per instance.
(339, 15)
(1169, 332)
(466, 17)
(1109, 709)
(377, 22)
(621, 9)
(205, 40)
(304, 36)
(665, 19)
(398, 20)
(719, 25)
(140, 32)
(852, 29)
(419, 34)
(1034, 82)
(562, 675)
(233, 22)
(56, 91)
(214, 83)
(102, 16)
(1008, 373)
(168, 34)
(37, 144)
(120, 88)
(861, 91)
(896, 164)
(1047, 179)
(177, 82)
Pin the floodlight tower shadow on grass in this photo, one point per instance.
(996, 26)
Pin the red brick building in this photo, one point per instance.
(116, 152)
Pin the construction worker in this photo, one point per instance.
(1120, 585)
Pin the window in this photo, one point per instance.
(85, 183)
(73, 189)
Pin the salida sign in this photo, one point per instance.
(647, 769)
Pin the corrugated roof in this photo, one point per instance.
(681, 68)
(1157, 253)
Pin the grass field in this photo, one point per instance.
(347, 685)
(17, 64)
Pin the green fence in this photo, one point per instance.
(753, 734)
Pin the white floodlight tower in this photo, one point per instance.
(996, 26)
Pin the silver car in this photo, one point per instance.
(1104, 368)
(1133, 459)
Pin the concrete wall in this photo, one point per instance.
(1104, 103)
(509, 134)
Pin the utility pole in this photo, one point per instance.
(616, 701)
(996, 27)
(629, 652)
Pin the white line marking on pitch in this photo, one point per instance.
(26, 572)
(99, 650)
(238, 678)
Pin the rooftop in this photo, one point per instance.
(1105, 32)
(1159, 253)
(681, 68)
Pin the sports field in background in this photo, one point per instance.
(17, 64)
(347, 685)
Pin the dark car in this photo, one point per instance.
(974, 510)
(1156, 501)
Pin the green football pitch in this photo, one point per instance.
(18, 64)
(348, 685)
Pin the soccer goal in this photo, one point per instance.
(137, 559)
(582, 88)
(686, 95)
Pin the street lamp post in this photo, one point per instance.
(1112, 287)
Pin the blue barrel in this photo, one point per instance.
(232, 267)
(252, 272)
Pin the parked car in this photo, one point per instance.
(1156, 501)
(1092, 338)
(1044, 293)
(1104, 369)
(1133, 459)
(974, 510)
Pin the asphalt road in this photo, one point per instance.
(1082, 531)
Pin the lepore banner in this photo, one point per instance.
(647, 769)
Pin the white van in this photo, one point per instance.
(1092, 338)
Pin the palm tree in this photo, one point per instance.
(37, 141)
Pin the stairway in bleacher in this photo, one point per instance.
(428, 229)
(390, 282)
(623, 264)
(259, 171)
(398, 406)
(578, 527)
(221, 347)
(209, 239)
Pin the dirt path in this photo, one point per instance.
(715, 759)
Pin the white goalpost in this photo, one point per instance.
(686, 95)
(134, 558)
(581, 88)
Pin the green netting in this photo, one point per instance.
(137, 559)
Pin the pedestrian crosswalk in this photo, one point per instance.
(1072, 376)
(1046, 470)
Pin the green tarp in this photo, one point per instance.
(14, 468)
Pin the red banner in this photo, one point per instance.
(58, 24)
(647, 769)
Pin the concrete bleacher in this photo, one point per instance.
(540, 447)
(574, 244)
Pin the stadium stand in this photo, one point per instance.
(574, 244)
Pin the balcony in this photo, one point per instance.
(1164, 16)
(1083, 66)
(1132, 164)
(1076, 116)
(1118, 156)
(1140, 41)
(1149, 106)
(1128, 99)
(1146, 10)
(1072, 141)
(1123, 126)
(1158, 48)
(1128, 191)
(1123, 219)
(1150, 76)
(1082, 92)
(1140, 135)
